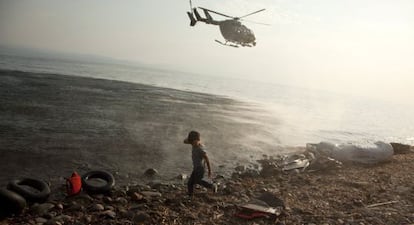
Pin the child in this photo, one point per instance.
(198, 154)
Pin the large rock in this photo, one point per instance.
(151, 172)
(400, 148)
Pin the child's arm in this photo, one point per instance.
(208, 164)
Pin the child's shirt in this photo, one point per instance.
(197, 156)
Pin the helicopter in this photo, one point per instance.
(233, 31)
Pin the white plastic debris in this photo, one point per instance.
(368, 154)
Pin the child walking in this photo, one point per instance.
(198, 155)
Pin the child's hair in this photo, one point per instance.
(193, 136)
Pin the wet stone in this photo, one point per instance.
(182, 176)
(40, 220)
(87, 218)
(42, 209)
(151, 172)
(74, 206)
(121, 200)
(109, 207)
(50, 215)
(107, 199)
(151, 194)
(155, 184)
(59, 206)
(141, 217)
(125, 213)
(62, 219)
(137, 197)
(240, 168)
(98, 207)
(108, 214)
(99, 196)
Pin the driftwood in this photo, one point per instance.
(380, 204)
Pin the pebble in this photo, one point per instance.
(121, 200)
(240, 168)
(87, 218)
(74, 206)
(42, 209)
(107, 199)
(98, 207)
(137, 197)
(109, 207)
(99, 196)
(40, 220)
(59, 206)
(141, 217)
(151, 193)
(155, 184)
(109, 213)
(59, 220)
(182, 176)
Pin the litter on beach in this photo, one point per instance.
(267, 204)
(369, 153)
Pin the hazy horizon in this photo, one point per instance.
(356, 47)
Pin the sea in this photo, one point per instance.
(126, 118)
(304, 115)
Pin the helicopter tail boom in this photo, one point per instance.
(195, 16)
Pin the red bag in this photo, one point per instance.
(74, 184)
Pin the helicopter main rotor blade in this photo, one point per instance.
(252, 13)
(267, 24)
(221, 14)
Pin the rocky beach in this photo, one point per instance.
(353, 194)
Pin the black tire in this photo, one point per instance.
(11, 203)
(98, 189)
(39, 196)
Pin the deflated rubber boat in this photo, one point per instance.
(297, 161)
(369, 153)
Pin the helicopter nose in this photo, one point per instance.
(252, 38)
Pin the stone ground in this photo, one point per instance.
(353, 194)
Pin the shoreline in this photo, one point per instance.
(381, 193)
(54, 124)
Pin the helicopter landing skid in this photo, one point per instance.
(226, 44)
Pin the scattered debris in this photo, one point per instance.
(273, 197)
(380, 204)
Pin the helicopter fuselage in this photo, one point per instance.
(232, 30)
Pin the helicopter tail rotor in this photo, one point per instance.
(193, 21)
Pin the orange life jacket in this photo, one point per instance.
(74, 184)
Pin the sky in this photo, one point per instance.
(358, 47)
